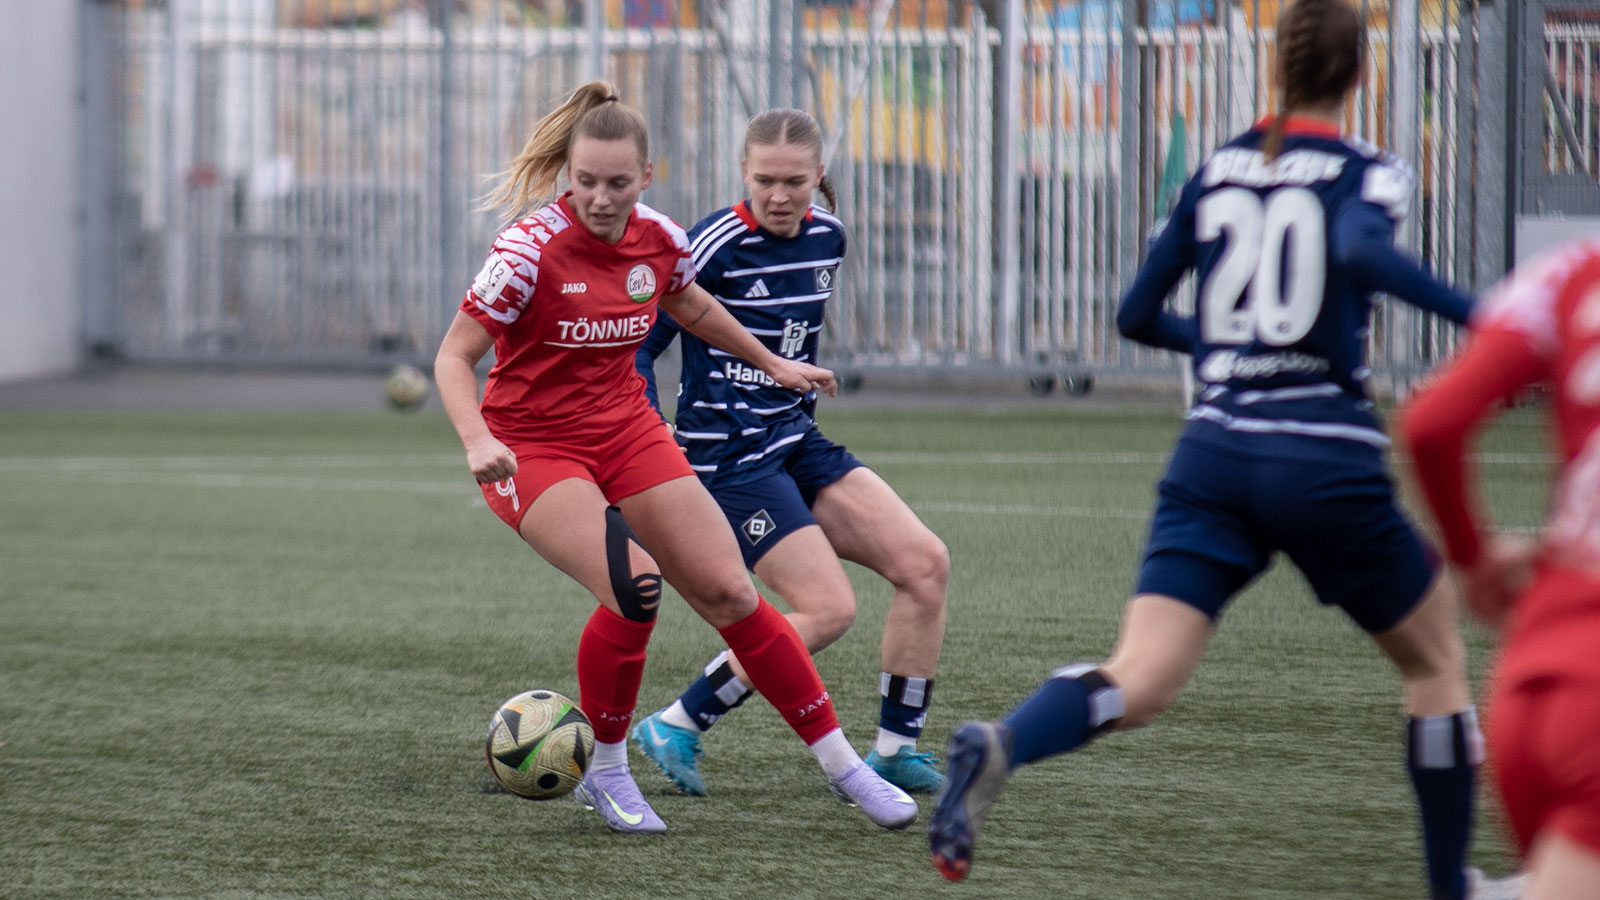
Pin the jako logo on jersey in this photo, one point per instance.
(759, 289)
(794, 334)
(574, 287)
(738, 371)
(508, 488)
(641, 284)
(602, 331)
(823, 278)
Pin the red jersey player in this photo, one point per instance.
(569, 453)
(1541, 324)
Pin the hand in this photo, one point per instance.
(803, 377)
(1491, 585)
(490, 460)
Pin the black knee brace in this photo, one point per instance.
(638, 596)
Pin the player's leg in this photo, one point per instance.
(1161, 642)
(866, 522)
(779, 538)
(1562, 868)
(1444, 746)
(1544, 746)
(567, 524)
(1359, 553)
(780, 541)
(681, 525)
(1197, 557)
(802, 569)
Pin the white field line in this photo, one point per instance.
(79, 464)
(122, 470)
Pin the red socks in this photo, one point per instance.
(610, 668)
(780, 668)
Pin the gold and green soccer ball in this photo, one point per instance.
(539, 745)
(406, 387)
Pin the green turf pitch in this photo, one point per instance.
(254, 656)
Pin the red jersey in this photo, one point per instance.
(1541, 324)
(566, 310)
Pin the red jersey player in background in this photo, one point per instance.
(569, 453)
(1541, 324)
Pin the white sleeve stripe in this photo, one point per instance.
(715, 240)
(785, 267)
(818, 212)
(710, 231)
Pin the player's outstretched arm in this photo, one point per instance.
(1363, 246)
(1438, 426)
(699, 313)
(453, 371)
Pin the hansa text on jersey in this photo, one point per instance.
(742, 374)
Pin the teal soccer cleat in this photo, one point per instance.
(908, 770)
(674, 750)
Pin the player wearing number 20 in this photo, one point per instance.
(1289, 230)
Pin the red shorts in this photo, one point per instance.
(634, 459)
(1544, 745)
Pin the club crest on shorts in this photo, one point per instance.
(758, 527)
(641, 283)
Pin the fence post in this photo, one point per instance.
(97, 202)
(1496, 143)
(1008, 128)
(1128, 122)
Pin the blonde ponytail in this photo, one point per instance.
(592, 110)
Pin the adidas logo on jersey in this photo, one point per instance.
(759, 289)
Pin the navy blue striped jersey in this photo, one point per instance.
(731, 416)
(1287, 255)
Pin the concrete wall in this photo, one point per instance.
(41, 257)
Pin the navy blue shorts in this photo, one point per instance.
(1222, 515)
(765, 509)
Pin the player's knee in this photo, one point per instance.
(829, 623)
(1144, 707)
(1144, 698)
(728, 593)
(638, 595)
(921, 567)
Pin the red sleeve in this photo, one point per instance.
(1441, 419)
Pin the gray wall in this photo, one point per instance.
(41, 257)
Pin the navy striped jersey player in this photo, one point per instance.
(1283, 451)
(1288, 255)
(732, 419)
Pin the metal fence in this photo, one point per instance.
(292, 193)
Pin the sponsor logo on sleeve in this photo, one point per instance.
(492, 279)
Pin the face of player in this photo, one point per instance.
(607, 178)
(781, 179)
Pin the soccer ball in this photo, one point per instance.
(539, 745)
(406, 387)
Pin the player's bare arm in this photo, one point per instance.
(453, 371)
(701, 315)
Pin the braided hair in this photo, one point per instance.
(1321, 46)
(790, 126)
